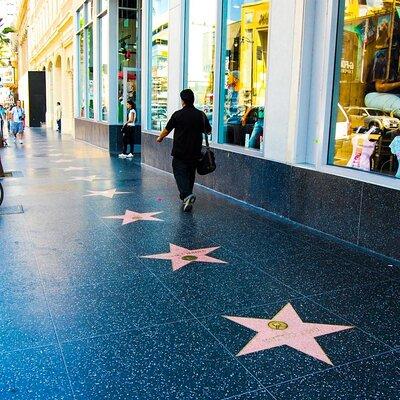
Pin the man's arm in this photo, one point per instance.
(162, 135)
(383, 87)
(168, 128)
(207, 126)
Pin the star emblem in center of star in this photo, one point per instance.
(89, 178)
(180, 256)
(287, 328)
(109, 193)
(131, 216)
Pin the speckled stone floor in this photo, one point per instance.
(109, 291)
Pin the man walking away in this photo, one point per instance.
(58, 116)
(17, 121)
(189, 124)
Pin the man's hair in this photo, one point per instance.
(58, 103)
(187, 96)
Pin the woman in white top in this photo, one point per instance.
(128, 131)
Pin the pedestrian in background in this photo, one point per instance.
(17, 121)
(189, 124)
(9, 120)
(3, 117)
(58, 116)
(128, 131)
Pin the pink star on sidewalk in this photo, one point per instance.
(63, 160)
(73, 168)
(89, 178)
(181, 257)
(132, 216)
(110, 193)
(286, 328)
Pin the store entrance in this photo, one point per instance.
(131, 90)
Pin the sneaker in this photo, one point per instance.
(188, 203)
(130, 155)
(122, 155)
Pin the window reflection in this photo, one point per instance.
(245, 66)
(159, 63)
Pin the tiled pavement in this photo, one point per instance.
(84, 316)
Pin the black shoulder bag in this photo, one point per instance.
(206, 163)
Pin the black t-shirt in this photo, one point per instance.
(189, 124)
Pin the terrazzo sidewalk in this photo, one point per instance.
(109, 291)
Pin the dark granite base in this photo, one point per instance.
(360, 213)
(108, 137)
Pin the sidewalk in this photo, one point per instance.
(109, 291)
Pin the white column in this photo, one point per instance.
(113, 62)
(96, 64)
(175, 54)
(279, 81)
(145, 63)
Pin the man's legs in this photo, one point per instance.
(59, 125)
(184, 178)
(20, 131)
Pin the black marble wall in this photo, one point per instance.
(108, 137)
(360, 213)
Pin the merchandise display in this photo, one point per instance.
(369, 86)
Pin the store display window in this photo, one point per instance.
(200, 52)
(84, 36)
(104, 75)
(128, 57)
(365, 131)
(244, 64)
(158, 71)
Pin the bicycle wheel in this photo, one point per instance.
(1, 193)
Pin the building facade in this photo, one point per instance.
(45, 35)
(108, 64)
(302, 96)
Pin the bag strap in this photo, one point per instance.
(204, 130)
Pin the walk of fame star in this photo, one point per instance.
(181, 256)
(74, 168)
(62, 160)
(132, 216)
(89, 178)
(286, 328)
(110, 193)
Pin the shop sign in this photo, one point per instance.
(7, 75)
(347, 67)
(263, 20)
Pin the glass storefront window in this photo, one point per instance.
(89, 39)
(81, 18)
(102, 5)
(365, 133)
(245, 72)
(104, 76)
(202, 20)
(159, 63)
(129, 58)
(82, 80)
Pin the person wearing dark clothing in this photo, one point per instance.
(129, 131)
(189, 124)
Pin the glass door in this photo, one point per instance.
(131, 91)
